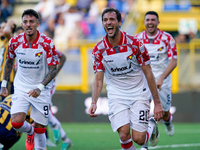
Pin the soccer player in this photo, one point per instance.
(163, 55)
(37, 61)
(7, 30)
(54, 123)
(124, 62)
(9, 136)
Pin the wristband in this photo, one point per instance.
(40, 86)
(4, 83)
(93, 102)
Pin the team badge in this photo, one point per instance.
(129, 57)
(38, 54)
(160, 49)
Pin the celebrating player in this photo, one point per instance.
(163, 55)
(37, 60)
(125, 63)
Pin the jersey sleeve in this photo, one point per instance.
(97, 60)
(142, 55)
(11, 49)
(52, 57)
(59, 53)
(172, 51)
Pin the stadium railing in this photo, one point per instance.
(184, 77)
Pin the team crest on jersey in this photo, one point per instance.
(160, 49)
(129, 57)
(38, 54)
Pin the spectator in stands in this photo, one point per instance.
(46, 8)
(60, 39)
(6, 10)
(181, 38)
(19, 30)
(191, 35)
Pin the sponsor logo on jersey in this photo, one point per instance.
(38, 54)
(21, 53)
(107, 61)
(119, 69)
(28, 62)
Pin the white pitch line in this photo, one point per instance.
(174, 146)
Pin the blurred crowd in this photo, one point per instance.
(68, 21)
(77, 19)
(6, 9)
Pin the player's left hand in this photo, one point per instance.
(159, 83)
(34, 93)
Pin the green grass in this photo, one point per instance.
(99, 136)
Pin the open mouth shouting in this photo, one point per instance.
(110, 30)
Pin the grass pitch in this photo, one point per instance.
(99, 136)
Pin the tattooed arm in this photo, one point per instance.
(49, 76)
(7, 71)
(61, 63)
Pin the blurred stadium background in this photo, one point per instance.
(75, 26)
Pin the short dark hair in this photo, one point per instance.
(152, 13)
(14, 28)
(19, 28)
(109, 9)
(30, 12)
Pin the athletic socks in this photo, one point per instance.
(127, 145)
(169, 121)
(40, 138)
(40, 141)
(26, 127)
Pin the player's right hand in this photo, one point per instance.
(4, 91)
(92, 110)
(34, 93)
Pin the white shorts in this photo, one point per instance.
(21, 102)
(135, 113)
(165, 95)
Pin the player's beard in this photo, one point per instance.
(152, 32)
(30, 33)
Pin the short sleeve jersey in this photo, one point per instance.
(32, 59)
(161, 49)
(122, 67)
